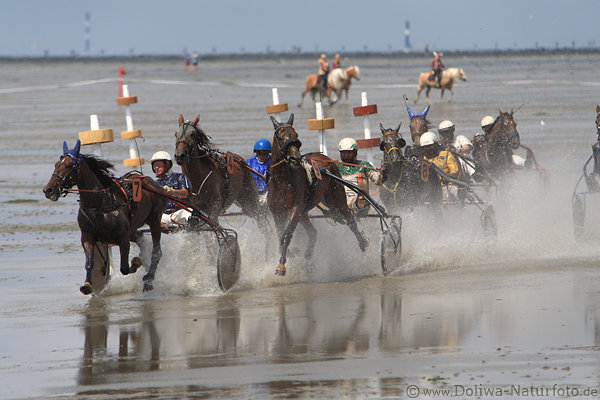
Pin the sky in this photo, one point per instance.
(171, 27)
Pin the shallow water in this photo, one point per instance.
(459, 312)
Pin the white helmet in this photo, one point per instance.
(347, 144)
(445, 125)
(161, 156)
(428, 138)
(460, 141)
(487, 120)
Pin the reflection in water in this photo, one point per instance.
(375, 334)
(329, 322)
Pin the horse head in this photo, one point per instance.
(286, 145)
(190, 138)
(418, 124)
(461, 75)
(353, 72)
(391, 144)
(66, 171)
(504, 130)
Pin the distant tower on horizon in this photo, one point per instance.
(86, 35)
(407, 46)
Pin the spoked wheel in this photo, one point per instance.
(578, 207)
(391, 246)
(228, 262)
(488, 223)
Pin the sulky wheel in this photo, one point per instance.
(578, 207)
(391, 246)
(488, 223)
(228, 262)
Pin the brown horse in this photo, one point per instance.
(447, 82)
(338, 80)
(495, 150)
(297, 185)
(106, 210)
(215, 185)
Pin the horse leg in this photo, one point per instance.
(419, 89)
(312, 236)
(427, 94)
(302, 98)
(442, 95)
(284, 243)
(88, 249)
(156, 255)
(451, 94)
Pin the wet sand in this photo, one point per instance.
(460, 313)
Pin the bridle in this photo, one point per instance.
(395, 146)
(190, 140)
(284, 144)
(66, 182)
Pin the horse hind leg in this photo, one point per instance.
(312, 237)
(156, 256)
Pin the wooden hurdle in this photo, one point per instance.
(130, 134)
(364, 111)
(321, 124)
(96, 136)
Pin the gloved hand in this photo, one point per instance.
(167, 189)
(384, 175)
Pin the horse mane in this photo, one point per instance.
(204, 140)
(101, 168)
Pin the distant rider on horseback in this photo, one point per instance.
(336, 63)
(323, 72)
(359, 173)
(437, 67)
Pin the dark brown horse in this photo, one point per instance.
(294, 191)
(495, 150)
(216, 185)
(405, 187)
(107, 212)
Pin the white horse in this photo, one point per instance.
(339, 79)
(448, 77)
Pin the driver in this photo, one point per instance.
(444, 160)
(174, 183)
(359, 173)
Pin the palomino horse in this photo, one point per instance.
(107, 212)
(338, 80)
(215, 185)
(495, 150)
(447, 82)
(297, 185)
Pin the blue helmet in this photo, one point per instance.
(262, 144)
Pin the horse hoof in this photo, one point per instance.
(280, 270)
(147, 287)
(125, 271)
(136, 263)
(86, 288)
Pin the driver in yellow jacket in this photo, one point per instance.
(444, 160)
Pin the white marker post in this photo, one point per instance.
(130, 134)
(364, 111)
(96, 136)
(276, 107)
(320, 124)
